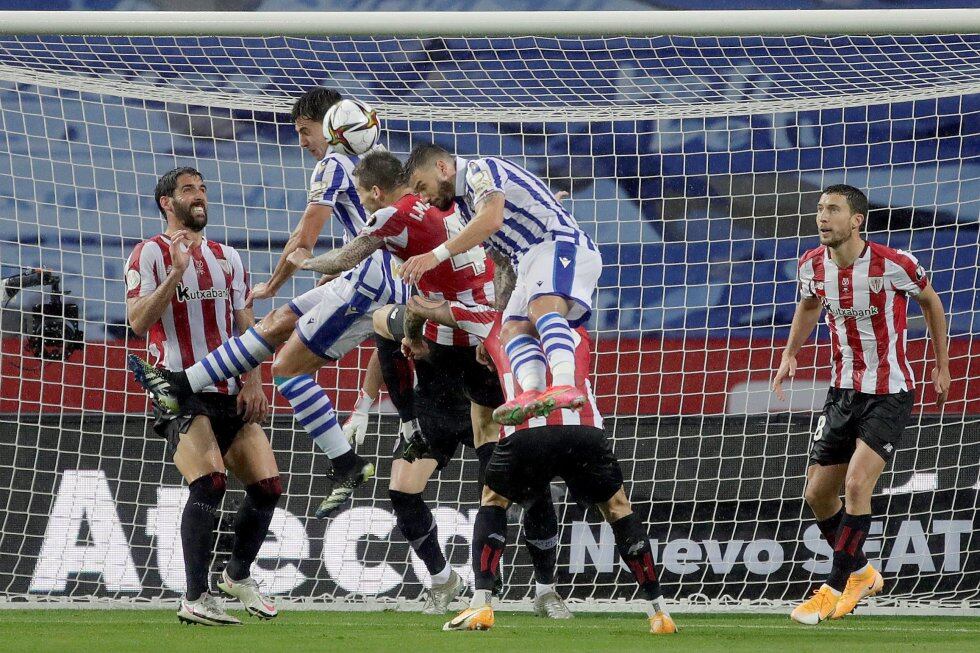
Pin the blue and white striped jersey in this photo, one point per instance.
(532, 214)
(332, 184)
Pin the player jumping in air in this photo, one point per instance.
(557, 267)
(319, 326)
(565, 444)
(455, 395)
(864, 288)
(187, 292)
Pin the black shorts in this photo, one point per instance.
(221, 410)
(524, 463)
(448, 380)
(878, 420)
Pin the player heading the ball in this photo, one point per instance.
(863, 286)
(557, 266)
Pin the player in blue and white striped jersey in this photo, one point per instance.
(557, 267)
(320, 325)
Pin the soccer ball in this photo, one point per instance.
(351, 127)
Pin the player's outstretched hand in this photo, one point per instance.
(416, 266)
(253, 405)
(787, 369)
(259, 291)
(941, 382)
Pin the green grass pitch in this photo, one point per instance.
(97, 631)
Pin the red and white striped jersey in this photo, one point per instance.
(200, 315)
(865, 312)
(589, 414)
(411, 227)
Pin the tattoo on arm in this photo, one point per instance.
(504, 278)
(413, 324)
(340, 260)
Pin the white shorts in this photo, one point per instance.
(334, 318)
(556, 268)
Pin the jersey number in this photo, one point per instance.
(475, 257)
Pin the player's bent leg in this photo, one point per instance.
(293, 373)
(415, 521)
(251, 460)
(198, 458)
(541, 540)
(529, 366)
(238, 355)
(852, 573)
(489, 542)
(633, 545)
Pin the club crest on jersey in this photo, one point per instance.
(199, 265)
(185, 294)
(876, 283)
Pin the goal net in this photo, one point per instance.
(694, 161)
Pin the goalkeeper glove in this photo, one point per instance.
(355, 426)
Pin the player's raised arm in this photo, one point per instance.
(304, 237)
(343, 259)
(935, 315)
(804, 320)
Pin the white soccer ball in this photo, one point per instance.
(351, 127)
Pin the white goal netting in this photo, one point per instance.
(694, 161)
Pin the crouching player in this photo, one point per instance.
(569, 445)
(185, 291)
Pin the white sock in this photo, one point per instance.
(480, 598)
(540, 589)
(236, 356)
(559, 346)
(527, 361)
(442, 577)
(656, 605)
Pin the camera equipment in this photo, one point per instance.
(54, 333)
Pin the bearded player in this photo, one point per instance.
(186, 292)
(557, 267)
(864, 288)
(569, 445)
(319, 326)
(455, 395)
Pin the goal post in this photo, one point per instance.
(693, 146)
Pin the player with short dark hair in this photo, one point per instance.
(864, 288)
(319, 326)
(187, 292)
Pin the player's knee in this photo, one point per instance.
(265, 493)
(207, 491)
(380, 321)
(491, 498)
(857, 488)
(277, 326)
(513, 328)
(617, 507)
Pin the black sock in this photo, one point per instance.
(541, 538)
(633, 545)
(197, 530)
(848, 550)
(414, 519)
(396, 370)
(252, 525)
(483, 453)
(489, 541)
(830, 528)
(344, 462)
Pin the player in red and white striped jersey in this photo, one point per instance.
(864, 288)
(188, 293)
(572, 446)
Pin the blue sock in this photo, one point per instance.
(313, 409)
(527, 361)
(236, 356)
(559, 347)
